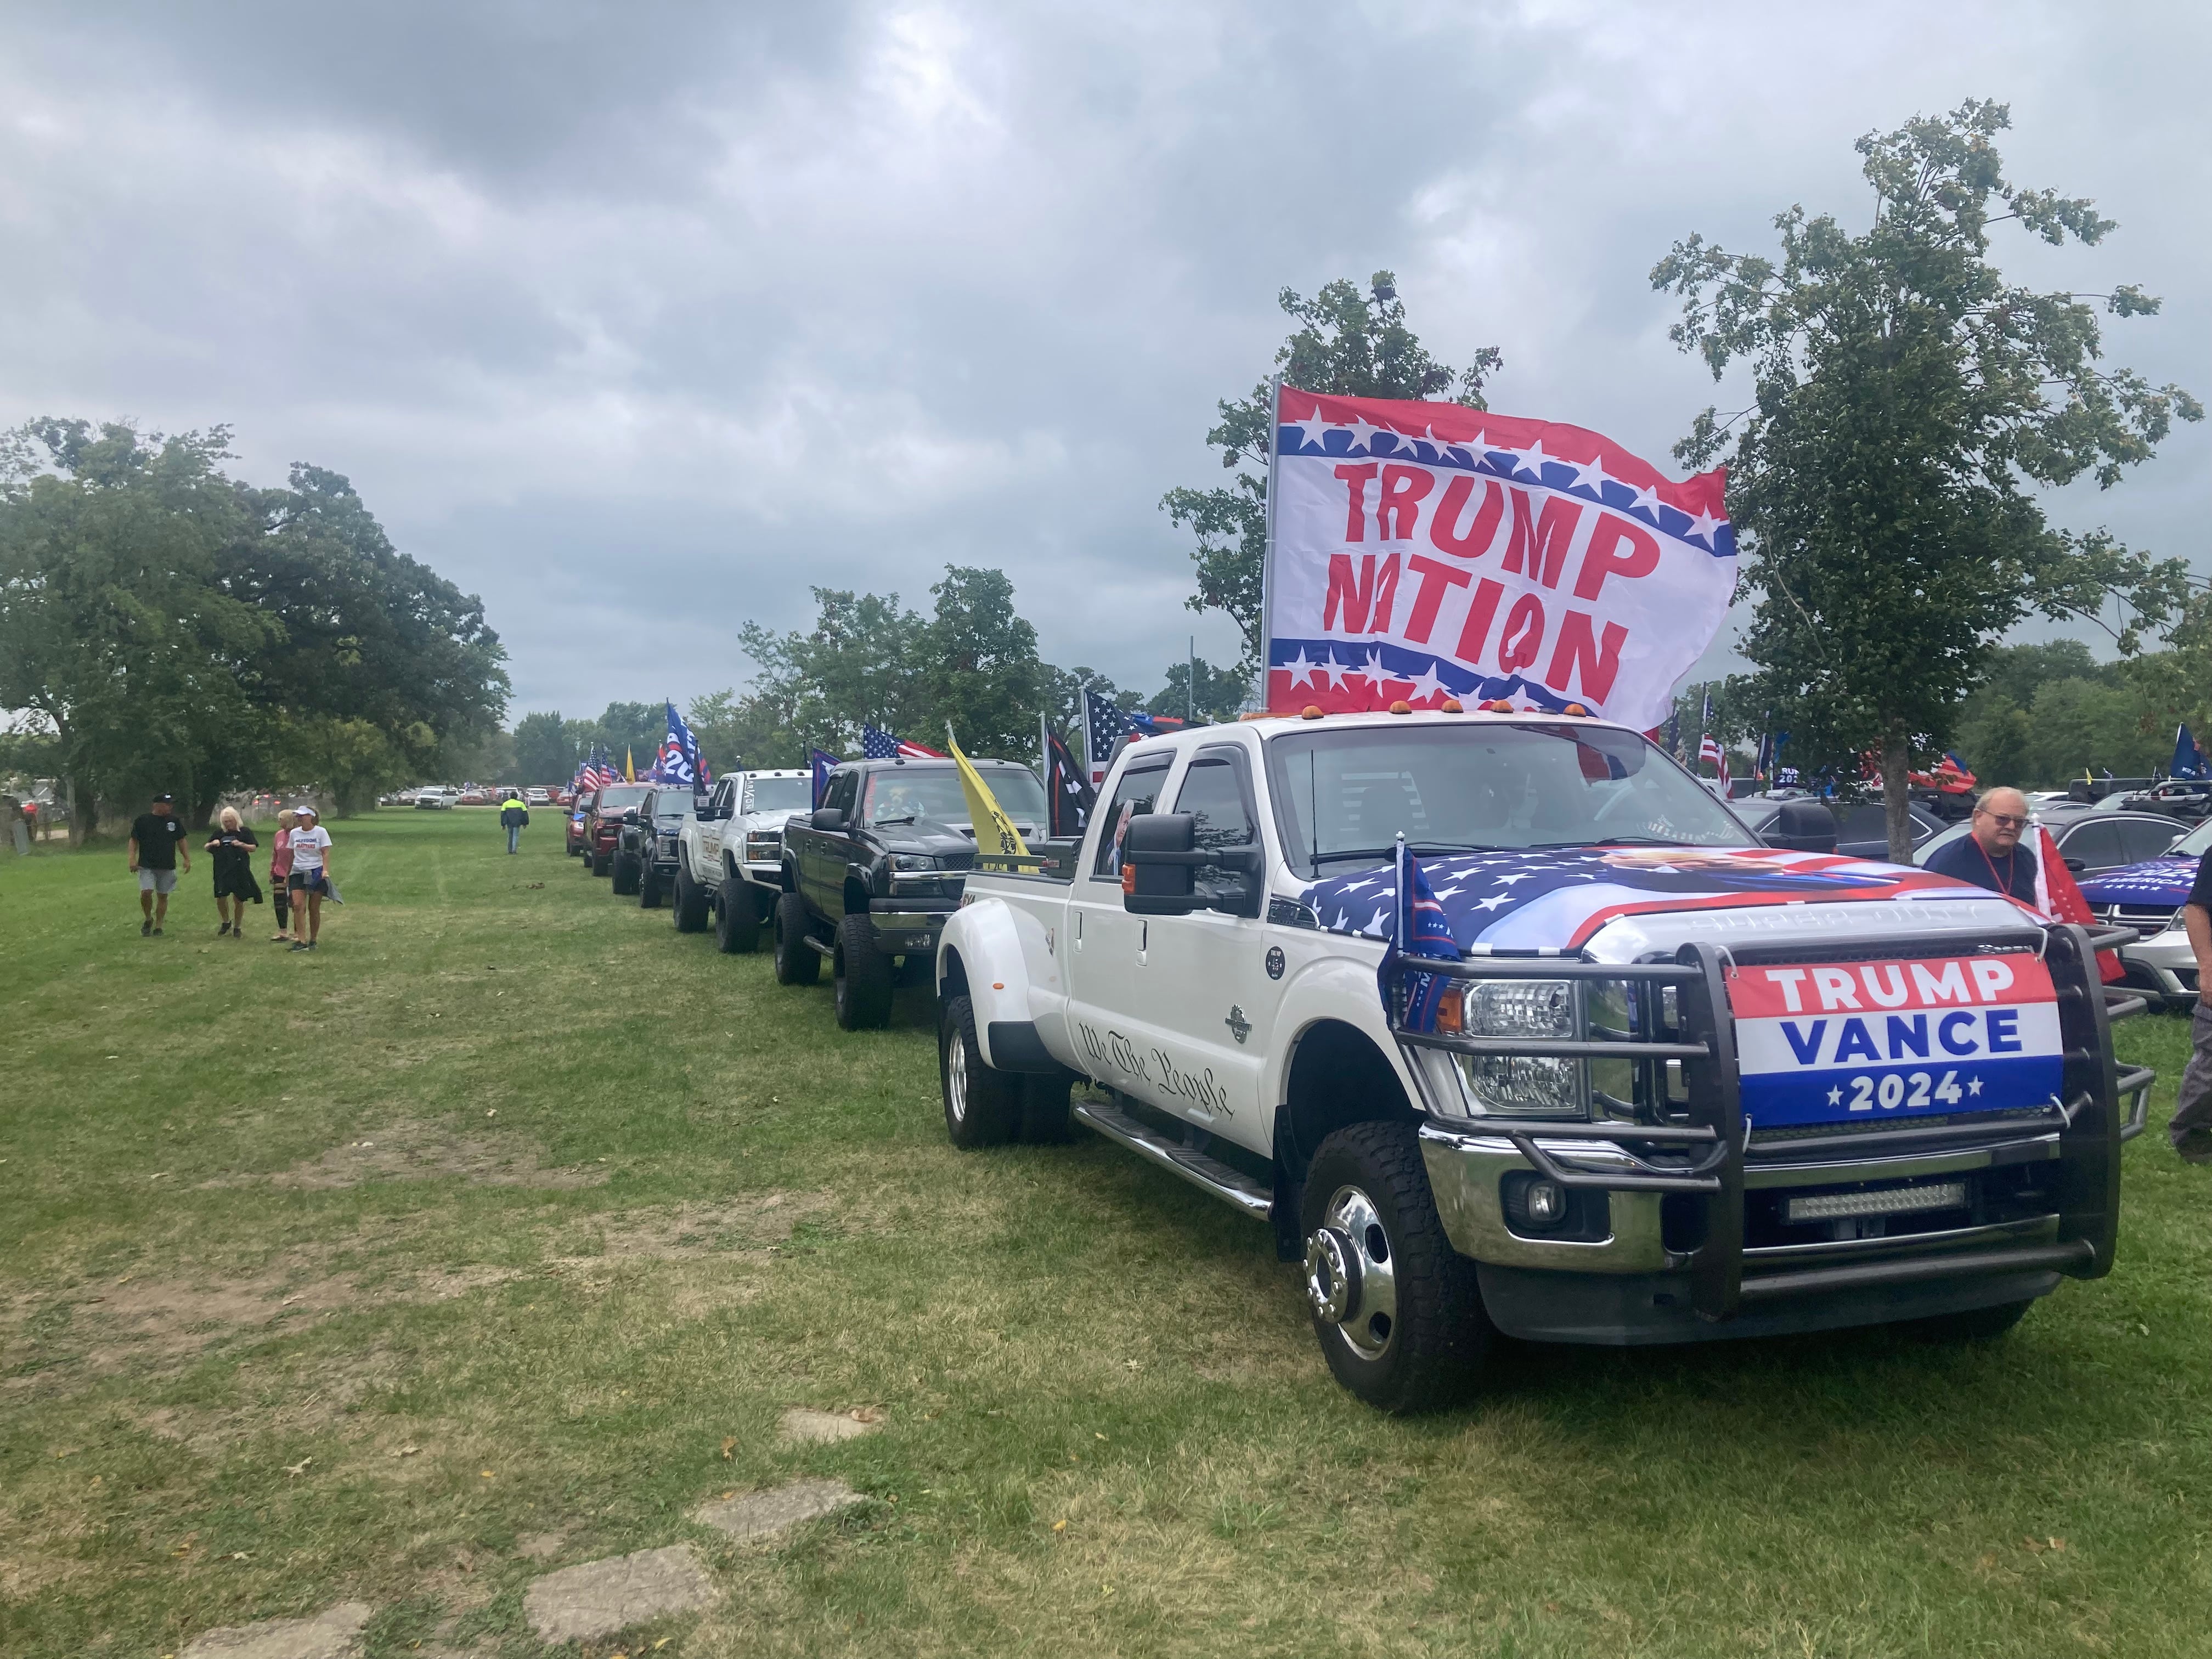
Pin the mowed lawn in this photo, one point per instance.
(499, 1233)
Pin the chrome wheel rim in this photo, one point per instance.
(1365, 1271)
(955, 1077)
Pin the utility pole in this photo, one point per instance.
(1190, 685)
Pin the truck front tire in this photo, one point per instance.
(982, 1106)
(737, 918)
(596, 862)
(625, 874)
(861, 978)
(796, 963)
(648, 886)
(689, 910)
(1397, 1310)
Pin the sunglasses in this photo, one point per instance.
(2006, 821)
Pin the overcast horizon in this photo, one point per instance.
(640, 333)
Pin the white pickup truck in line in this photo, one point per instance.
(730, 855)
(1657, 1082)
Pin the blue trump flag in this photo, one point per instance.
(821, 763)
(2188, 758)
(1419, 928)
(677, 761)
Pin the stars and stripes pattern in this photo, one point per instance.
(1105, 724)
(878, 745)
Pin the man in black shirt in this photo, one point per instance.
(1990, 854)
(157, 841)
(2191, 1127)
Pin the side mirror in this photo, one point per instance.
(1250, 862)
(2077, 865)
(630, 816)
(828, 817)
(1158, 861)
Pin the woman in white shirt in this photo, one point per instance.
(311, 875)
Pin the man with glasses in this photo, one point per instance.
(1990, 855)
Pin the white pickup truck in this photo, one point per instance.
(1614, 1072)
(730, 855)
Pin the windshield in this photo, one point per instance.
(1346, 794)
(623, 796)
(779, 794)
(672, 806)
(909, 793)
(2194, 845)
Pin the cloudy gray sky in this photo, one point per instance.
(638, 320)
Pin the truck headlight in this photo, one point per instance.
(913, 861)
(1531, 1084)
(763, 847)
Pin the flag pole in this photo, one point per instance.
(1267, 558)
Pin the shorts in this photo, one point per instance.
(156, 881)
(308, 881)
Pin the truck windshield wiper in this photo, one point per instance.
(907, 818)
(1342, 854)
(1612, 841)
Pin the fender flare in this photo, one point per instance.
(979, 955)
(1336, 990)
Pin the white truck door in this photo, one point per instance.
(1203, 993)
(1100, 954)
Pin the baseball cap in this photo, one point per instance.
(165, 800)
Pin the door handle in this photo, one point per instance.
(1144, 941)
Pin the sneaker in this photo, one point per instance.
(157, 933)
(2194, 1146)
(301, 945)
(145, 929)
(221, 931)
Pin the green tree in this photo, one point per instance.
(1220, 691)
(633, 731)
(748, 729)
(856, 666)
(1347, 343)
(543, 752)
(1064, 690)
(115, 626)
(1906, 399)
(979, 667)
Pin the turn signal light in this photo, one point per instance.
(1451, 1011)
(1129, 879)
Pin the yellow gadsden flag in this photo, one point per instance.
(630, 767)
(999, 845)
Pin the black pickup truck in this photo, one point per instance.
(870, 875)
(645, 853)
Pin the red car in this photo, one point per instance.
(602, 820)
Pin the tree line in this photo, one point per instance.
(970, 663)
(165, 627)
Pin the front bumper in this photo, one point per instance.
(1684, 1230)
(2163, 966)
(905, 926)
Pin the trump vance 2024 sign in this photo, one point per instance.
(1428, 550)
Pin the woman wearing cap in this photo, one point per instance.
(231, 850)
(311, 874)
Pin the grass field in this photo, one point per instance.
(499, 1233)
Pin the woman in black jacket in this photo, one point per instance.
(231, 851)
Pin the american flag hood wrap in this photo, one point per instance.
(1558, 898)
(1822, 1043)
(2160, 881)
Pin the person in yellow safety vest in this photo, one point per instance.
(512, 815)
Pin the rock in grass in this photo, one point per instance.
(333, 1633)
(803, 1424)
(756, 1515)
(597, 1598)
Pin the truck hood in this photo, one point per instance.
(1561, 898)
(2157, 881)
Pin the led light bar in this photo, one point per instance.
(1898, 1201)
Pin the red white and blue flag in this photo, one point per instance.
(877, 745)
(1426, 550)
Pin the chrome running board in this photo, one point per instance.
(1209, 1174)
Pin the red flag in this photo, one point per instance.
(2058, 896)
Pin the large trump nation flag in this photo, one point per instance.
(1424, 551)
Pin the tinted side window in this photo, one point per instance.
(2097, 845)
(1134, 793)
(842, 789)
(2139, 842)
(1213, 793)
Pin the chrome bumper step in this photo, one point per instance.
(1209, 1174)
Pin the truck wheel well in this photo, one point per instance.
(955, 981)
(1338, 1077)
(856, 898)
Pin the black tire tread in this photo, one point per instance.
(736, 921)
(797, 963)
(994, 1098)
(1443, 1332)
(866, 1002)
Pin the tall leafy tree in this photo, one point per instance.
(543, 751)
(115, 630)
(1220, 692)
(979, 666)
(1906, 399)
(1350, 344)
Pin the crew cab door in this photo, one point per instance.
(1104, 940)
(722, 805)
(823, 856)
(1202, 989)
